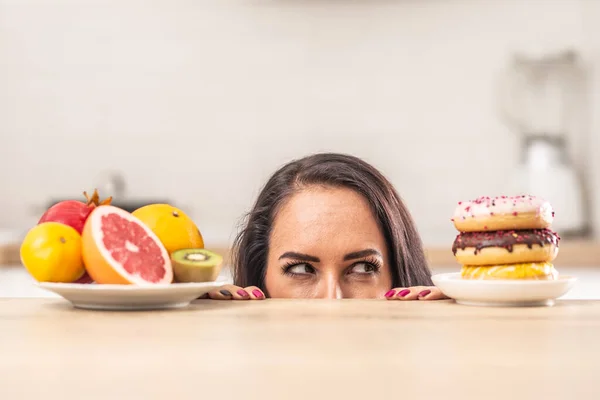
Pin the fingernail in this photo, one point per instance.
(390, 293)
(242, 293)
(257, 293)
(225, 292)
(403, 293)
(424, 293)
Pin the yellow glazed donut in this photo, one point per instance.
(503, 213)
(527, 271)
(506, 247)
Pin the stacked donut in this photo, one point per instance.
(505, 238)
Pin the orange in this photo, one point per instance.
(51, 252)
(174, 228)
(119, 249)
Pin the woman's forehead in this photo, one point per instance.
(331, 215)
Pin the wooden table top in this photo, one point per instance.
(300, 349)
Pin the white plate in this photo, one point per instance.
(131, 297)
(511, 293)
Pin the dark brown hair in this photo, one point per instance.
(407, 259)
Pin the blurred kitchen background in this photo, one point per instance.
(196, 103)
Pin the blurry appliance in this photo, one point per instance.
(534, 101)
(111, 183)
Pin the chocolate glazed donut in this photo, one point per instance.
(506, 247)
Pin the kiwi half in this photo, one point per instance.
(196, 265)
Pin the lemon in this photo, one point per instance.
(174, 228)
(51, 252)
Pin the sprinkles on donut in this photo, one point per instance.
(505, 237)
(503, 213)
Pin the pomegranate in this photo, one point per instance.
(72, 212)
(86, 278)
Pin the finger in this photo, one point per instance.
(225, 292)
(397, 293)
(255, 293)
(410, 293)
(432, 293)
(391, 294)
(238, 293)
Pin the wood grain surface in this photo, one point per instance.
(300, 349)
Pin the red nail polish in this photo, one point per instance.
(424, 293)
(257, 293)
(242, 293)
(403, 293)
(390, 293)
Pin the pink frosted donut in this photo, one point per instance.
(503, 213)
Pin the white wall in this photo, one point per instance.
(200, 101)
(590, 18)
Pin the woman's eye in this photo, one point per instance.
(363, 268)
(300, 269)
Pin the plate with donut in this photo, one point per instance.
(506, 248)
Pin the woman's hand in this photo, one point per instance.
(415, 293)
(231, 292)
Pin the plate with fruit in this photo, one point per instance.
(98, 256)
(507, 250)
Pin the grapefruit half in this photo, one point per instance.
(118, 248)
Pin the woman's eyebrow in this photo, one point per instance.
(299, 256)
(362, 254)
